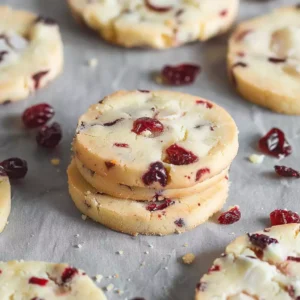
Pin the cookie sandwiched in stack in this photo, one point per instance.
(152, 162)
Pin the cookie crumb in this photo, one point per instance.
(150, 246)
(93, 62)
(120, 252)
(128, 279)
(165, 268)
(55, 161)
(256, 159)
(109, 287)
(120, 292)
(188, 258)
(116, 276)
(142, 264)
(146, 252)
(76, 235)
(79, 246)
(98, 278)
(83, 217)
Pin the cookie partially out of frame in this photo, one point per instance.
(264, 60)
(5, 199)
(155, 23)
(31, 53)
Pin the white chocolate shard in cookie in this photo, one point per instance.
(136, 217)
(35, 280)
(264, 60)
(5, 199)
(155, 23)
(262, 265)
(160, 139)
(31, 53)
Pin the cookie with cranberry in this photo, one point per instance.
(149, 218)
(122, 191)
(155, 23)
(31, 53)
(261, 265)
(34, 280)
(5, 199)
(160, 139)
(264, 60)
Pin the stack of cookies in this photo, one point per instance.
(152, 162)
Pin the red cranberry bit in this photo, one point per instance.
(180, 75)
(180, 222)
(37, 115)
(156, 173)
(180, 156)
(240, 54)
(215, 268)
(49, 136)
(201, 172)
(113, 122)
(160, 205)
(142, 124)
(160, 9)
(224, 13)
(68, 274)
(282, 216)
(261, 240)
(120, 145)
(286, 172)
(231, 216)
(205, 103)
(37, 78)
(14, 168)
(293, 258)
(241, 35)
(275, 144)
(38, 281)
(201, 286)
(276, 60)
(109, 164)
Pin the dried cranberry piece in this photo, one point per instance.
(142, 124)
(177, 155)
(160, 9)
(180, 222)
(275, 144)
(286, 172)
(201, 286)
(231, 216)
(49, 136)
(201, 172)
(282, 216)
(261, 240)
(113, 122)
(14, 167)
(205, 103)
(153, 206)
(156, 173)
(293, 258)
(121, 145)
(38, 281)
(37, 115)
(2, 54)
(224, 13)
(180, 74)
(109, 164)
(37, 78)
(276, 60)
(46, 20)
(215, 268)
(68, 274)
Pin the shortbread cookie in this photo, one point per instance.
(34, 280)
(263, 265)
(5, 199)
(264, 60)
(160, 140)
(136, 217)
(155, 23)
(30, 53)
(122, 191)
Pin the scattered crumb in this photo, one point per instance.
(129, 279)
(55, 161)
(158, 79)
(165, 268)
(93, 62)
(109, 287)
(83, 217)
(185, 245)
(150, 246)
(98, 278)
(109, 277)
(146, 252)
(116, 276)
(188, 258)
(120, 252)
(76, 235)
(7, 222)
(232, 233)
(142, 264)
(79, 246)
(120, 292)
(256, 159)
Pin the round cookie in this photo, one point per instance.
(263, 265)
(264, 60)
(34, 280)
(155, 23)
(100, 183)
(31, 53)
(135, 217)
(161, 139)
(5, 199)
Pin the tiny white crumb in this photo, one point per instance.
(93, 62)
(98, 278)
(76, 235)
(256, 159)
(109, 277)
(185, 245)
(128, 279)
(165, 268)
(79, 246)
(151, 246)
(55, 161)
(146, 252)
(188, 258)
(120, 252)
(232, 233)
(83, 217)
(116, 276)
(109, 287)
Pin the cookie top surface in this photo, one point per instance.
(264, 54)
(5, 199)
(156, 23)
(42, 280)
(156, 139)
(263, 265)
(30, 53)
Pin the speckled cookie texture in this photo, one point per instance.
(264, 60)
(35, 280)
(5, 199)
(31, 53)
(149, 218)
(262, 265)
(155, 23)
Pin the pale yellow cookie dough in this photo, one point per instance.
(5, 200)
